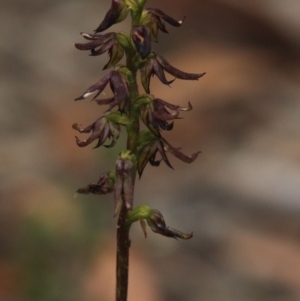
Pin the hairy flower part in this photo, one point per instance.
(102, 129)
(156, 116)
(117, 85)
(158, 225)
(104, 185)
(100, 44)
(124, 182)
(157, 65)
(117, 13)
(154, 18)
(141, 37)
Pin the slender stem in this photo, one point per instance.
(123, 245)
(123, 241)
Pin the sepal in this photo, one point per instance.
(156, 64)
(154, 19)
(117, 13)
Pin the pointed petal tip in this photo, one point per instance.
(182, 20)
(187, 236)
(79, 98)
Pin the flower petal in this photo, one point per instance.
(146, 73)
(141, 37)
(98, 87)
(158, 225)
(176, 72)
(117, 13)
(178, 154)
(97, 40)
(159, 72)
(167, 18)
(163, 154)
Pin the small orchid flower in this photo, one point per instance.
(117, 13)
(102, 129)
(158, 225)
(118, 86)
(101, 43)
(155, 221)
(150, 145)
(155, 114)
(156, 64)
(104, 185)
(154, 19)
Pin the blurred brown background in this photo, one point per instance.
(241, 198)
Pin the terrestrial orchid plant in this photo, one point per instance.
(127, 108)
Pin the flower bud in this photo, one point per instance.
(124, 182)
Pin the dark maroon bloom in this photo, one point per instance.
(154, 19)
(149, 145)
(101, 43)
(98, 41)
(102, 129)
(117, 13)
(142, 40)
(156, 116)
(118, 87)
(161, 15)
(156, 64)
(158, 225)
(104, 185)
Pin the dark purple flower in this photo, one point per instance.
(147, 150)
(156, 64)
(158, 225)
(156, 116)
(102, 129)
(154, 19)
(101, 43)
(118, 87)
(149, 145)
(117, 13)
(104, 185)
